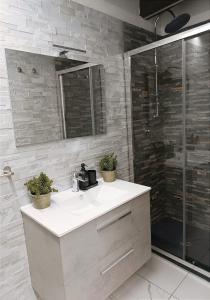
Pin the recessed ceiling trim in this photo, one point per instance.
(162, 10)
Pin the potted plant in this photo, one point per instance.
(40, 188)
(108, 165)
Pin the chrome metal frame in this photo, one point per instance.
(182, 262)
(127, 62)
(77, 68)
(69, 48)
(92, 102)
(184, 147)
(62, 105)
(129, 116)
(170, 39)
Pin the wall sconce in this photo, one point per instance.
(34, 71)
(19, 69)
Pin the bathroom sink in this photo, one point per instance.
(70, 210)
(103, 193)
(79, 203)
(75, 203)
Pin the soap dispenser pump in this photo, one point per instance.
(84, 181)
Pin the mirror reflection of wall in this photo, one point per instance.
(83, 100)
(54, 98)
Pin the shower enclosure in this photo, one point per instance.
(171, 141)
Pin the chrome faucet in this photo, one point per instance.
(75, 182)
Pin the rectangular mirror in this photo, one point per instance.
(54, 98)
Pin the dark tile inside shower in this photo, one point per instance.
(198, 149)
(159, 145)
(158, 141)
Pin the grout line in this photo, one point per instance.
(111, 297)
(153, 284)
(179, 284)
(173, 297)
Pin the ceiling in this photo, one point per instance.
(151, 7)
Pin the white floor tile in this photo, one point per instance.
(137, 288)
(193, 288)
(163, 273)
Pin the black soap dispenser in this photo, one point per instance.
(84, 178)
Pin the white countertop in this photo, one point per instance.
(61, 219)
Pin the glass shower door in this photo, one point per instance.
(158, 140)
(171, 147)
(197, 210)
(170, 88)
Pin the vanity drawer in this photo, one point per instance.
(80, 250)
(125, 265)
(98, 241)
(123, 224)
(114, 229)
(85, 287)
(99, 281)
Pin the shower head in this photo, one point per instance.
(177, 23)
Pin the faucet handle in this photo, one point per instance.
(75, 174)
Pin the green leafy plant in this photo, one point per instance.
(108, 162)
(40, 185)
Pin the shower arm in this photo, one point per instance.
(156, 64)
(156, 23)
(156, 115)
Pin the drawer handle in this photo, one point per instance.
(113, 221)
(117, 261)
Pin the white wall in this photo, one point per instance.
(125, 10)
(198, 9)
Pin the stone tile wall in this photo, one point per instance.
(34, 98)
(147, 131)
(33, 26)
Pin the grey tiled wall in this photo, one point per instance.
(34, 26)
(148, 147)
(34, 97)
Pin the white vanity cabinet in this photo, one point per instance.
(91, 261)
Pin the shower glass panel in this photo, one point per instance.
(171, 143)
(158, 140)
(198, 150)
(169, 230)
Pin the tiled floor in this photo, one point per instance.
(161, 279)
